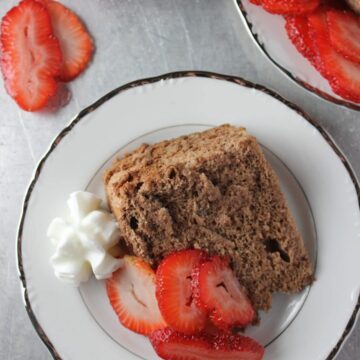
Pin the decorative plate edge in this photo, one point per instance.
(151, 80)
(313, 90)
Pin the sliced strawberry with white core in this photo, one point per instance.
(131, 292)
(75, 42)
(31, 56)
(172, 345)
(343, 75)
(344, 33)
(217, 290)
(174, 291)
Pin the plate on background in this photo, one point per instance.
(319, 185)
(269, 34)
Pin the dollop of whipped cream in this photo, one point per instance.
(82, 241)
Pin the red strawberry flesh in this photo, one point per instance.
(343, 75)
(217, 290)
(174, 291)
(75, 41)
(131, 292)
(31, 56)
(172, 345)
(298, 32)
(344, 33)
(290, 7)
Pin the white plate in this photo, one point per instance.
(269, 34)
(315, 177)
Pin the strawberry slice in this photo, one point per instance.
(172, 345)
(174, 291)
(256, 2)
(290, 7)
(217, 290)
(298, 32)
(131, 292)
(344, 32)
(342, 74)
(75, 42)
(31, 55)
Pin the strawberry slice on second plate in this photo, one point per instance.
(298, 32)
(290, 7)
(75, 42)
(342, 74)
(31, 56)
(217, 290)
(174, 291)
(172, 345)
(344, 33)
(131, 292)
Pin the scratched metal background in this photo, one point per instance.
(136, 39)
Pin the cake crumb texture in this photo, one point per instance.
(215, 191)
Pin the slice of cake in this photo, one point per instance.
(215, 191)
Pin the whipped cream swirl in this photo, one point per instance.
(82, 241)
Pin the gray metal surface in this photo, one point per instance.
(136, 39)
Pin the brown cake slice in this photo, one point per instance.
(355, 5)
(215, 191)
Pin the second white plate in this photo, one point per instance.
(269, 34)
